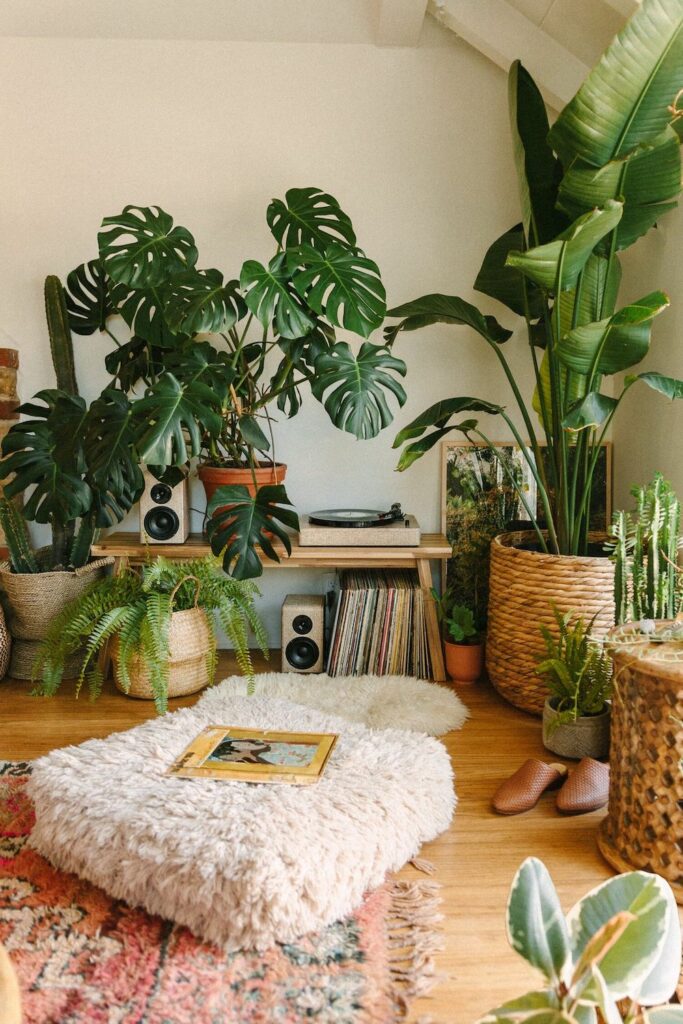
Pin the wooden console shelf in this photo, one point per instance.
(127, 549)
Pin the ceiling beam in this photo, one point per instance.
(400, 22)
(503, 34)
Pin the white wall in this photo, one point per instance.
(413, 142)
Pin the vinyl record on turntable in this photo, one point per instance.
(356, 517)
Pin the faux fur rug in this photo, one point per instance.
(241, 865)
(380, 702)
(85, 958)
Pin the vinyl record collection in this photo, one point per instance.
(379, 625)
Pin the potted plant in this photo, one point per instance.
(160, 622)
(77, 464)
(615, 957)
(589, 188)
(464, 648)
(202, 349)
(578, 674)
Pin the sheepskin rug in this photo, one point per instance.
(241, 865)
(380, 702)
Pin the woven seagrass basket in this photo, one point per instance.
(643, 829)
(189, 643)
(523, 586)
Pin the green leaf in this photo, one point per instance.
(135, 361)
(309, 216)
(670, 387)
(87, 298)
(252, 434)
(169, 410)
(590, 411)
(568, 254)
(536, 926)
(616, 343)
(412, 452)
(624, 100)
(198, 302)
(143, 311)
(538, 170)
(240, 522)
(142, 249)
(270, 297)
(201, 362)
(506, 284)
(542, 999)
(299, 356)
(340, 284)
(352, 388)
(444, 309)
(600, 282)
(662, 980)
(438, 415)
(113, 469)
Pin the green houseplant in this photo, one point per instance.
(161, 625)
(615, 958)
(207, 360)
(463, 643)
(578, 673)
(590, 186)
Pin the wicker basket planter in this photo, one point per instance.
(644, 824)
(523, 585)
(588, 736)
(34, 599)
(189, 644)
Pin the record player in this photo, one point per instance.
(359, 527)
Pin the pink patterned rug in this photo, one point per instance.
(83, 958)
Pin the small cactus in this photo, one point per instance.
(61, 343)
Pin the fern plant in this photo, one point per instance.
(136, 608)
(577, 671)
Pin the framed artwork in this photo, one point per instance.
(479, 502)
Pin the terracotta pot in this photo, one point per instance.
(586, 737)
(214, 477)
(464, 662)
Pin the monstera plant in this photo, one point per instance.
(205, 359)
(590, 186)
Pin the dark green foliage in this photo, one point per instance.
(577, 670)
(458, 621)
(87, 298)
(136, 608)
(241, 522)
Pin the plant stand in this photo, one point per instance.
(126, 549)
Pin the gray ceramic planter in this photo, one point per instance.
(586, 737)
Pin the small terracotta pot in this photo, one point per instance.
(214, 477)
(464, 662)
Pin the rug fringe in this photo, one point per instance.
(414, 938)
(423, 865)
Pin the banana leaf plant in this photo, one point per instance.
(206, 360)
(589, 187)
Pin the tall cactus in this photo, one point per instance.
(61, 343)
(22, 558)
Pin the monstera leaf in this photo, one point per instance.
(444, 309)
(342, 285)
(133, 362)
(143, 311)
(353, 389)
(615, 343)
(142, 249)
(270, 298)
(506, 284)
(171, 414)
(309, 216)
(240, 522)
(113, 469)
(299, 356)
(199, 302)
(200, 362)
(87, 298)
(45, 453)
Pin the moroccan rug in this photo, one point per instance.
(84, 958)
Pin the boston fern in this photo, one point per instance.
(578, 671)
(136, 608)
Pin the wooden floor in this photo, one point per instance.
(475, 860)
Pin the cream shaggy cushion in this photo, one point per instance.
(381, 702)
(241, 865)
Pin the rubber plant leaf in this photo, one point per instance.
(539, 172)
(309, 216)
(88, 301)
(240, 523)
(353, 389)
(340, 284)
(567, 255)
(113, 469)
(624, 100)
(270, 297)
(506, 284)
(198, 301)
(142, 248)
(536, 926)
(444, 309)
(171, 414)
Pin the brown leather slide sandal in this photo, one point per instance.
(523, 790)
(586, 789)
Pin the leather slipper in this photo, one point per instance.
(523, 790)
(586, 789)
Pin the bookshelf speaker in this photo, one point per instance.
(164, 512)
(303, 624)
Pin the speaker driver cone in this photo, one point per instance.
(302, 652)
(161, 523)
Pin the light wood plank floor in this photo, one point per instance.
(475, 860)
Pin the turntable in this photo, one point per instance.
(359, 527)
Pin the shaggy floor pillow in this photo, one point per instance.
(241, 865)
(381, 702)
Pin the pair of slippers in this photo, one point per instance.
(584, 789)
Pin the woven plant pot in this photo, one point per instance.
(523, 586)
(644, 825)
(189, 640)
(588, 736)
